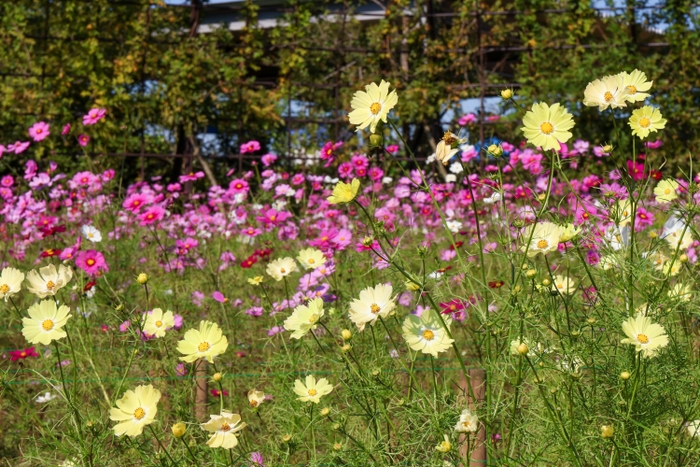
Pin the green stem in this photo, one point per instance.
(161, 445)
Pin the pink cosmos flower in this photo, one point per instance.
(94, 116)
(191, 177)
(392, 148)
(83, 140)
(466, 119)
(268, 159)
(135, 202)
(7, 181)
(39, 131)
(66, 129)
(238, 185)
(92, 262)
(22, 354)
(250, 147)
(151, 215)
(18, 147)
(219, 297)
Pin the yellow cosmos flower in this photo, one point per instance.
(426, 334)
(444, 150)
(605, 92)
(646, 336)
(564, 285)
(157, 322)
(635, 85)
(257, 280)
(568, 232)
(544, 238)
(304, 318)
(255, 398)
(223, 429)
(47, 281)
(281, 268)
(444, 446)
(646, 120)
(468, 422)
(206, 342)
(135, 410)
(10, 282)
(312, 390)
(311, 258)
(372, 105)
(665, 191)
(547, 126)
(374, 302)
(45, 322)
(344, 192)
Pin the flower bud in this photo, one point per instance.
(683, 258)
(590, 320)
(375, 140)
(625, 375)
(217, 377)
(495, 150)
(507, 94)
(346, 334)
(337, 447)
(286, 438)
(523, 349)
(325, 411)
(179, 430)
(530, 273)
(607, 431)
(346, 348)
(142, 278)
(546, 282)
(607, 148)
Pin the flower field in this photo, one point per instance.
(535, 304)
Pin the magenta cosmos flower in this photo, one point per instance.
(94, 116)
(250, 147)
(39, 131)
(19, 147)
(92, 262)
(151, 215)
(191, 177)
(83, 140)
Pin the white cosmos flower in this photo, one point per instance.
(91, 234)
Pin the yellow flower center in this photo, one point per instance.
(466, 424)
(374, 308)
(642, 338)
(139, 413)
(225, 427)
(312, 392)
(90, 262)
(313, 318)
(547, 128)
(644, 122)
(667, 191)
(449, 138)
(253, 403)
(311, 261)
(375, 108)
(272, 218)
(4, 288)
(47, 325)
(159, 323)
(608, 96)
(282, 271)
(203, 347)
(560, 285)
(542, 244)
(50, 285)
(631, 89)
(428, 335)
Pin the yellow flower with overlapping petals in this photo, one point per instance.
(135, 410)
(344, 192)
(665, 191)
(158, 322)
(547, 126)
(646, 120)
(635, 85)
(206, 342)
(605, 92)
(45, 322)
(223, 428)
(47, 281)
(280, 268)
(304, 318)
(312, 390)
(426, 333)
(10, 282)
(543, 237)
(372, 105)
(564, 285)
(646, 336)
(311, 258)
(374, 302)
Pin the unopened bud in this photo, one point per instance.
(683, 258)
(375, 140)
(179, 430)
(325, 411)
(607, 431)
(546, 282)
(530, 273)
(346, 348)
(523, 349)
(142, 278)
(625, 375)
(346, 334)
(495, 150)
(217, 377)
(337, 446)
(507, 94)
